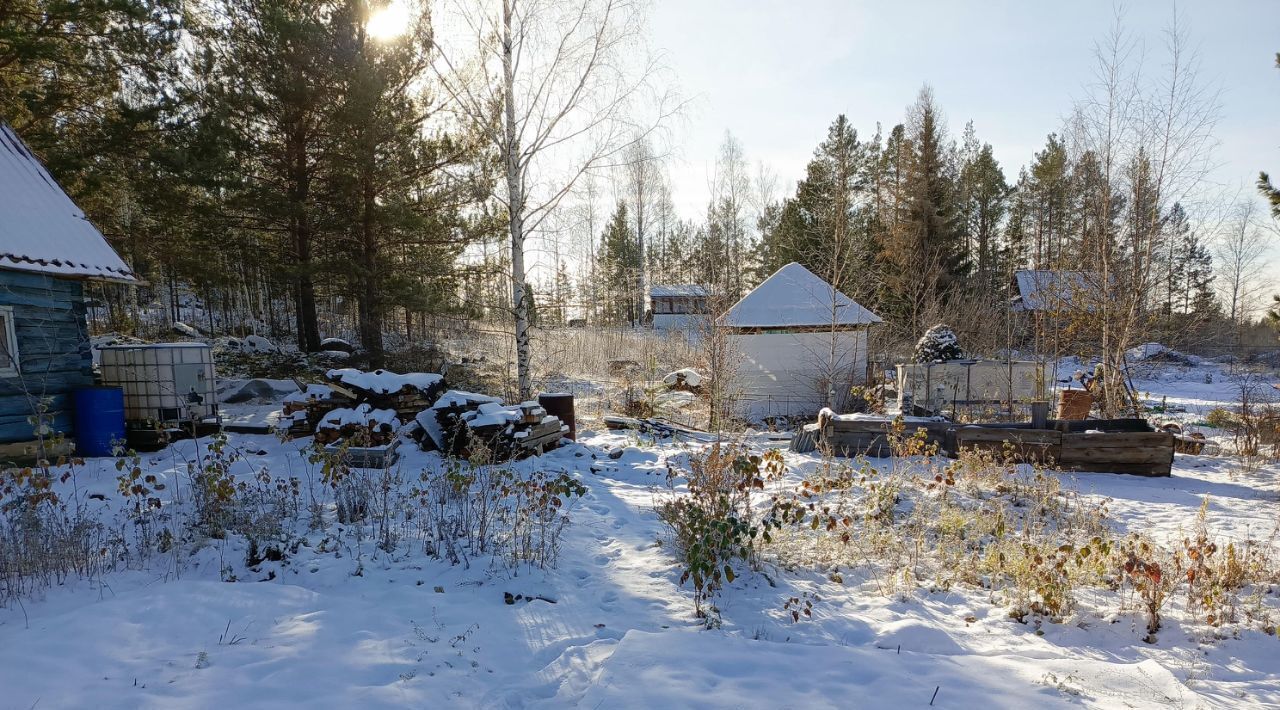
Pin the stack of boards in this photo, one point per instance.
(467, 424)
(359, 414)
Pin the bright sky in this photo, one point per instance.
(777, 73)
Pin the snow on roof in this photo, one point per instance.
(679, 290)
(384, 381)
(795, 297)
(1043, 290)
(41, 229)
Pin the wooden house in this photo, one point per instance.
(679, 307)
(48, 250)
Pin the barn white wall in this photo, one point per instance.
(781, 373)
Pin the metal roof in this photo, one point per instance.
(41, 229)
(795, 297)
(679, 290)
(1044, 290)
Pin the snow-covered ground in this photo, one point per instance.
(343, 624)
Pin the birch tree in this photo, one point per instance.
(561, 89)
(1151, 139)
(1241, 253)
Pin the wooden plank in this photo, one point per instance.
(1078, 426)
(1136, 469)
(35, 280)
(1042, 437)
(1117, 440)
(541, 441)
(1020, 452)
(20, 405)
(857, 439)
(1133, 455)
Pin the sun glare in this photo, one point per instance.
(389, 21)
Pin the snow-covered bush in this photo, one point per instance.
(939, 344)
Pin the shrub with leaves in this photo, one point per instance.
(713, 526)
(1140, 567)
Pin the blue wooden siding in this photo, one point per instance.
(53, 350)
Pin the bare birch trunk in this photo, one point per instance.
(515, 209)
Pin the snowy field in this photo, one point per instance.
(340, 622)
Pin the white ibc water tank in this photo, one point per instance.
(166, 383)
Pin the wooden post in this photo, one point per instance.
(1040, 414)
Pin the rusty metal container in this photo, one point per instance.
(1074, 404)
(560, 405)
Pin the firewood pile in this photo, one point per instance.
(463, 423)
(406, 394)
(304, 409)
(362, 425)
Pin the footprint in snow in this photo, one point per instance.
(608, 601)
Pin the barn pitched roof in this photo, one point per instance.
(41, 229)
(1045, 290)
(795, 297)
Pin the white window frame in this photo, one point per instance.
(10, 335)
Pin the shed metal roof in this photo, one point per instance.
(1045, 290)
(796, 297)
(41, 229)
(679, 290)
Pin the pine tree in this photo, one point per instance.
(1043, 207)
(278, 91)
(938, 344)
(562, 295)
(619, 263)
(1265, 187)
(396, 188)
(923, 249)
(824, 226)
(932, 201)
(984, 202)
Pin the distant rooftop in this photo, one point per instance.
(1045, 290)
(679, 291)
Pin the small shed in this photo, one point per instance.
(679, 307)
(48, 249)
(799, 345)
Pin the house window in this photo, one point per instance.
(8, 343)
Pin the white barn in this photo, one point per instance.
(798, 344)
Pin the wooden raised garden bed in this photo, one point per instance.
(1104, 445)
(1113, 446)
(864, 436)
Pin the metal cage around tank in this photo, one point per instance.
(165, 383)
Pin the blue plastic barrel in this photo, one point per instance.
(99, 419)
